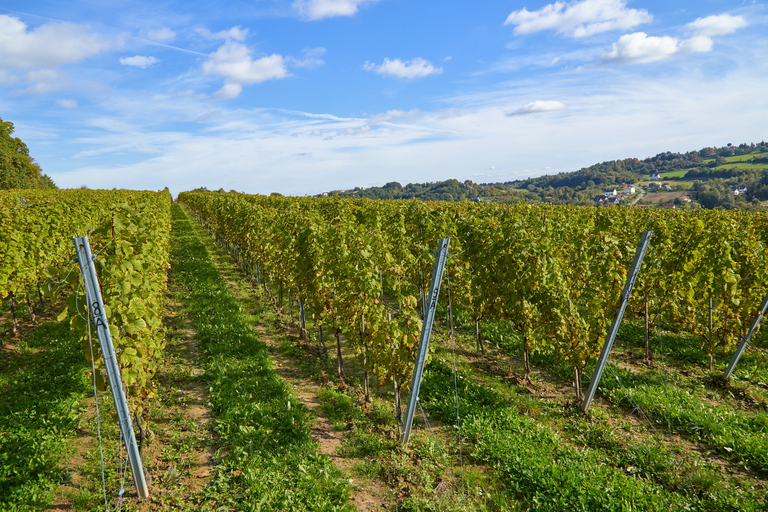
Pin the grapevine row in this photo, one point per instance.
(555, 272)
(129, 233)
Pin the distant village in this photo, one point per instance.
(614, 196)
(618, 195)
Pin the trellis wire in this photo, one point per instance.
(455, 378)
(442, 450)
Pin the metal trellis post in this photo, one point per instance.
(631, 277)
(426, 330)
(96, 305)
(745, 341)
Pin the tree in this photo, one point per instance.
(17, 168)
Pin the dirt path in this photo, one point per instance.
(179, 456)
(368, 495)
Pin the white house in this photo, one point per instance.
(739, 190)
(629, 190)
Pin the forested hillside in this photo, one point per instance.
(713, 172)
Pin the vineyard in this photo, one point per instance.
(528, 295)
(555, 273)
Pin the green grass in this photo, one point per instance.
(745, 158)
(535, 465)
(674, 174)
(42, 389)
(612, 437)
(736, 434)
(268, 460)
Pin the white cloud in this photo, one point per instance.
(366, 125)
(8, 78)
(536, 107)
(578, 19)
(234, 63)
(718, 25)
(235, 33)
(162, 35)
(696, 44)
(228, 92)
(312, 58)
(43, 88)
(319, 9)
(416, 68)
(67, 103)
(42, 75)
(47, 46)
(640, 48)
(139, 61)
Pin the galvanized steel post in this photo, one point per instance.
(745, 341)
(631, 277)
(426, 330)
(96, 307)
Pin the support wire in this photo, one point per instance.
(442, 450)
(455, 378)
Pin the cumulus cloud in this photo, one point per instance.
(47, 46)
(536, 107)
(139, 61)
(45, 81)
(235, 33)
(578, 19)
(719, 25)
(234, 63)
(67, 103)
(640, 48)
(409, 69)
(318, 9)
(162, 35)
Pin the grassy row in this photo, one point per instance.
(736, 434)
(42, 387)
(684, 398)
(267, 459)
(589, 466)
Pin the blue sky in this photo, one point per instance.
(305, 96)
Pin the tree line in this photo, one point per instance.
(17, 168)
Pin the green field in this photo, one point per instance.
(745, 158)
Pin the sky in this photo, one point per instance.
(305, 96)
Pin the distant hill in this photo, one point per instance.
(449, 190)
(716, 171)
